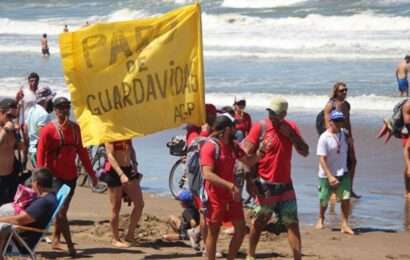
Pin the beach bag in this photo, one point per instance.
(193, 167)
(23, 197)
(320, 119)
(395, 123)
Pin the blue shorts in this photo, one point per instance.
(403, 84)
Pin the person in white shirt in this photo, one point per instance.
(332, 149)
(37, 117)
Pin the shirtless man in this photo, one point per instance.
(387, 131)
(8, 143)
(44, 45)
(339, 103)
(401, 76)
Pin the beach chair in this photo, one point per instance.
(15, 242)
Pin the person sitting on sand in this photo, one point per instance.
(186, 226)
(401, 75)
(36, 214)
(332, 149)
(44, 45)
(123, 177)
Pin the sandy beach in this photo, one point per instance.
(89, 224)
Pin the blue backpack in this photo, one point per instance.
(195, 180)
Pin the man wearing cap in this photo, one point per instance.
(243, 120)
(401, 75)
(272, 185)
(58, 146)
(8, 144)
(217, 160)
(37, 117)
(332, 149)
(339, 103)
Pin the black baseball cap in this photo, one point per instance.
(61, 101)
(8, 103)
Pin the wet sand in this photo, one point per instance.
(89, 216)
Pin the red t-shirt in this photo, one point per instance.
(275, 165)
(61, 159)
(194, 132)
(223, 167)
(243, 123)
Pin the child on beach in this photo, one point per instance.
(186, 226)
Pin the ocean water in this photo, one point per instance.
(256, 49)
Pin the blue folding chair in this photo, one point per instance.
(11, 248)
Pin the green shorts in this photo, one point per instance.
(285, 211)
(342, 191)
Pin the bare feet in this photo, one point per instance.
(355, 196)
(120, 244)
(346, 230)
(56, 245)
(72, 252)
(320, 224)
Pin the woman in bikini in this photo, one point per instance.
(123, 177)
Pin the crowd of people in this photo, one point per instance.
(262, 149)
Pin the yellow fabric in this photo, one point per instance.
(135, 77)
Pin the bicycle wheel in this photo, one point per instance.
(177, 178)
(81, 174)
(98, 164)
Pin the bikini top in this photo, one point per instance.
(122, 145)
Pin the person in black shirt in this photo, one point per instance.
(37, 214)
(185, 227)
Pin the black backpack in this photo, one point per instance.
(396, 122)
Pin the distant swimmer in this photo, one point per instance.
(401, 75)
(65, 28)
(44, 45)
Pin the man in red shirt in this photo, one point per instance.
(273, 184)
(59, 144)
(204, 131)
(217, 159)
(243, 120)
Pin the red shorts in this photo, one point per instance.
(197, 201)
(404, 140)
(218, 212)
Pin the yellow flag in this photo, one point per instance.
(136, 77)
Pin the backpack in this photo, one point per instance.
(195, 179)
(61, 136)
(395, 122)
(320, 119)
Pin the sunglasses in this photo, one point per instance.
(64, 107)
(342, 90)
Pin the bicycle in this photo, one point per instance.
(98, 159)
(178, 179)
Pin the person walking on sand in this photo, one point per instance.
(390, 127)
(123, 177)
(272, 186)
(38, 116)
(332, 149)
(44, 45)
(217, 160)
(401, 75)
(58, 146)
(339, 103)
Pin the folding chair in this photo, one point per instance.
(11, 248)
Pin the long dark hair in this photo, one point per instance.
(335, 89)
